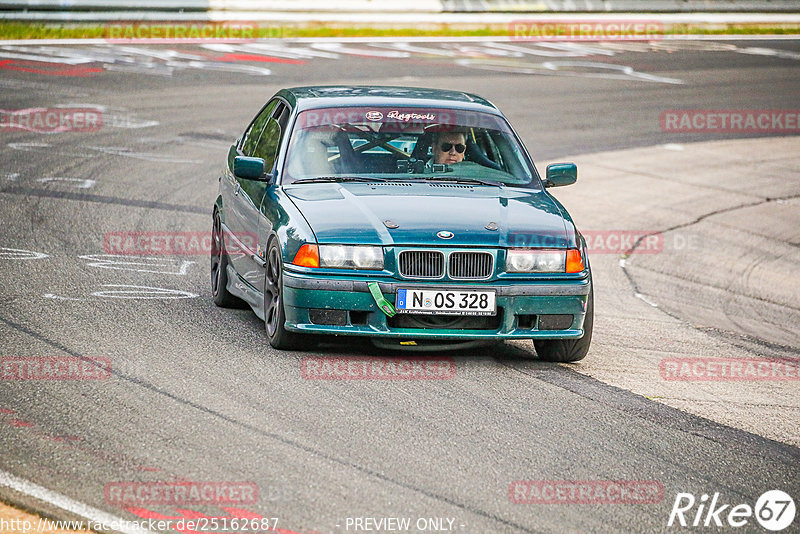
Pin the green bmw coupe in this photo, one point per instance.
(413, 216)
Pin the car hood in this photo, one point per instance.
(354, 213)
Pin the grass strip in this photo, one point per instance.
(37, 30)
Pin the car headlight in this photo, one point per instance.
(536, 261)
(351, 257)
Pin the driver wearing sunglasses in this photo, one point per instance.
(449, 147)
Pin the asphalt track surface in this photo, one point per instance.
(196, 393)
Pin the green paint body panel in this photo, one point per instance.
(354, 213)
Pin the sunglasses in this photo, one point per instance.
(459, 147)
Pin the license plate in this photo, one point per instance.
(446, 302)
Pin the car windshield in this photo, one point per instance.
(405, 144)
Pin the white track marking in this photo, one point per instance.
(554, 49)
(624, 70)
(467, 52)
(56, 297)
(139, 264)
(277, 49)
(166, 55)
(482, 50)
(148, 156)
(783, 54)
(623, 263)
(415, 49)
(563, 68)
(113, 150)
(151, 68)
(127, 121)
(9, 53)
(110, 522)
(586, 48)
(647, 300)
(20, 254)
(80, 183)
(126, 59)
(142, 292)
(44, 147)
(61, 55)
(28, 147)
(222, 66)
(366, 51)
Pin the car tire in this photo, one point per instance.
(274, 314)
(219, 269)
(569, 350)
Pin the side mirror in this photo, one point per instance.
(559, 174)
(249, 168)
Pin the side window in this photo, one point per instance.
(282, 114)
(268, 143)
(253, 134)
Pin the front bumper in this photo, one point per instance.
(302, 292)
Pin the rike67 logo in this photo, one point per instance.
(774, 510)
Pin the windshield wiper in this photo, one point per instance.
(456, 181)
(323, 179)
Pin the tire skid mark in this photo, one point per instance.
(747, 342)
(656, 413)
(626, 255)
(104, 199)
(281, 439)
(75, 442)
(721, 288)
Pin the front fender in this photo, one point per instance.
(288, 225)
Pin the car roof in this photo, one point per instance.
(327, 96)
